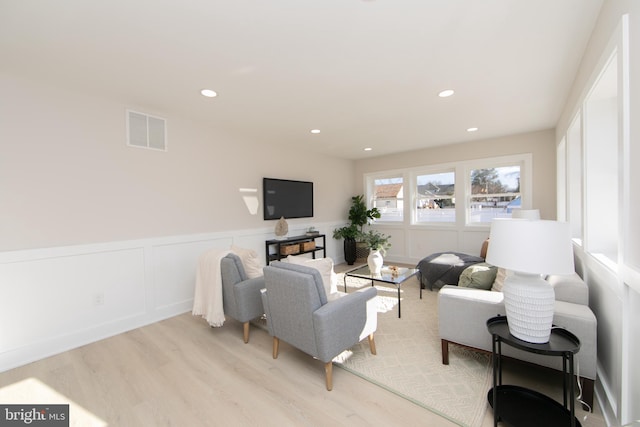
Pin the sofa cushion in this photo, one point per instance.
(478, 276)
(501, 275)
(569, 288)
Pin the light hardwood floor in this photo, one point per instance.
(181, 372)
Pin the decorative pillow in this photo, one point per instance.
(478, 276)
(501, 275)
(249, 257)
(324, 266)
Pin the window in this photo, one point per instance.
(435, 198)
(574, 168)
(495, 193)
(439, 195)
(388, 197)
(602, 194)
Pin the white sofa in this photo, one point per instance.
(463, 312)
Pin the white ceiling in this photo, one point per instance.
(366, 73)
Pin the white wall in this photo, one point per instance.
(67, 176)
(615, 296)
(97, 238)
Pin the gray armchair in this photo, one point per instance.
(240, 295)
(298, 313)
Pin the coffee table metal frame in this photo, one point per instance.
(386, 276)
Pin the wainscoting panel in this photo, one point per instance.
(423, 242)
(56, 299)
(174, 272)
(48, 299)
(472, 241)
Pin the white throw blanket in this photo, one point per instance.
(207, 300)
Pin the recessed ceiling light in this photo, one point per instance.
(315, 130)
(368, 149)
(446, 93)
(208, 93)
(472, 129)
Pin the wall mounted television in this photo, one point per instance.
(287, 198)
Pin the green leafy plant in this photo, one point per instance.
(347, 232)
(359, 215)
(376, 241)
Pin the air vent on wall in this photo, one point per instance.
(146, 131)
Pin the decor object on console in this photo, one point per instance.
(299, 313)
(530, 248)
(282, 228)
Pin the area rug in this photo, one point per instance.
(409, 361)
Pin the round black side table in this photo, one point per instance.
(522, 407)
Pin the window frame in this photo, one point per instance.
(462, 171)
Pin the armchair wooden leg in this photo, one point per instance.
(372, 344)
(445, 352)
(276, 345)
(328, 370)
(245, 332)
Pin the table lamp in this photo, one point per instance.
(526, 213)
(531, 249)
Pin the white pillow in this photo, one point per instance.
(501, 275)
(250, 262)
(324, 266)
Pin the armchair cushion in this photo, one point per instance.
(339, 323)
(296, 314)
(241, 295)
(250, 261)
(305, 270)
(324, 266)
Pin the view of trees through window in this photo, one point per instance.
(495, 193)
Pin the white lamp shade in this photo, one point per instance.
(526, 213)
(528, 246)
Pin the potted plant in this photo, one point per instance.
(359, 216)
(349, 233)
(377, 243)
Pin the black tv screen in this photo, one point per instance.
(286, 198)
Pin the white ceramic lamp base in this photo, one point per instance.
(529, 302)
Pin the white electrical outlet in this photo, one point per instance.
(98, 299)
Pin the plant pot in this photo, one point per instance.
(375, 261)
(350, 250)
(362, 251)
